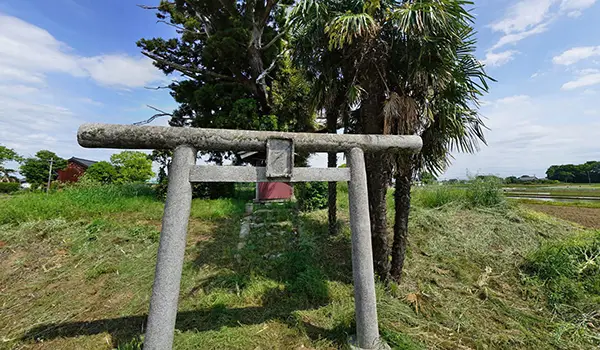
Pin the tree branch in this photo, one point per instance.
(176, 26)
(230, 7)
(148, 7)
(193, 73)
(268, 8)
(260, 79)
(151, 119)
(274, 40)
(156, 88)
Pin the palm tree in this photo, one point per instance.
(410, 69)
(321, 65)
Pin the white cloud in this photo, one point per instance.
(516, 37)
(528, 134)
(8, 74)
(511, 100)
(587, 71)
(582, 81)
(28, 52)
(526, 18)
(576, 54)
(500, 58)
(32, 119)
(18, 90)
(33, 115)
(576, 5)
(111, 69)
(89, 101)
(523, 15)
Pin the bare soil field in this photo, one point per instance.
(587, 217)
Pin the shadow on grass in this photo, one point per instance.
(311, 260)
(277, 305)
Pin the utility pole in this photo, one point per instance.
(49, 175)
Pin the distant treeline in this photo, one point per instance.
(588, 172)
(525, 179)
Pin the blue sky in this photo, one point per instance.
(66, 62)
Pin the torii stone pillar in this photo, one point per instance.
(186, 142)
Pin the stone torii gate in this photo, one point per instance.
(186, 142)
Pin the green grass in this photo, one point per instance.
(568, 271)
(562, 190)
(478, 193)
(78, 266)
(558, 194)
(577, 204)
(560, 185)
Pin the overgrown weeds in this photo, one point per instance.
(568, 272)
(477, 193)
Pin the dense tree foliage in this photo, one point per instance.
(7, 155)
(511, 180)
(588, 172)
(234, 66)
(36, 169)
(132, 166)
(406, 68)
(102, 172)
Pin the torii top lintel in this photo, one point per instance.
(163, 137)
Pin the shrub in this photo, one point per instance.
(311, 195)
(132, 166)
(437, 196)
(569, 270)
(485, 192)
(476, 193)
(102, 172)
(9, 187)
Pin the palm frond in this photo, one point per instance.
(355, 95)
(307, 9)
(346, 27)
(431, 18)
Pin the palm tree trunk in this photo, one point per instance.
(332, 118)
(377, 185)
(332, 195)
(378, 177)
(402, 210)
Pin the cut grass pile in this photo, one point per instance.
(78, 275)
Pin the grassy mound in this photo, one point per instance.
(78, 265)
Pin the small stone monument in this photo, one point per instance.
(279, 146)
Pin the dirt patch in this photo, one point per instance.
(588, 217)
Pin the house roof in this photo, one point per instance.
(83, 162)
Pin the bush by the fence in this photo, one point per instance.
(311, 195)
(9, 187)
